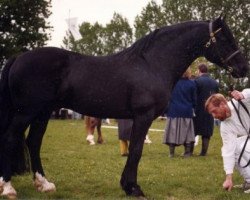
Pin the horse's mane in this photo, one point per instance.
(140, 46)
(145, 43)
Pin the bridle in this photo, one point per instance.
(213, 40)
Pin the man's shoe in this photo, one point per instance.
(246, 187)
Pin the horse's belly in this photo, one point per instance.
(101, 109)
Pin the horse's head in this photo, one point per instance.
(222, 50)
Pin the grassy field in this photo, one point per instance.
(80, 171)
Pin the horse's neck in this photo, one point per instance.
(179, 53)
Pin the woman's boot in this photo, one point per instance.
(124, 147)
(171, 150)
(204, 146)
(188, 149)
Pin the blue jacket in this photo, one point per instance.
(183, 99)
(204, 122)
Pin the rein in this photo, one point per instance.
(212, 40)
(248, 131)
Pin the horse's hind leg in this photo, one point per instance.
(34, 142)
(13, 158)
(99, 131)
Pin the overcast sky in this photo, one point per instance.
(91, 11)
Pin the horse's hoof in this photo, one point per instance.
(8, 191)
(141, 198)
(134, 190)
(1, 184)
(137, 192)
(91, 143)
(100, 142)
(90, 140)
(42, 184)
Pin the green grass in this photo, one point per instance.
(80, 171)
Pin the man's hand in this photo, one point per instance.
(237, 95)
(228, 183)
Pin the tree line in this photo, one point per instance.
(22, 30)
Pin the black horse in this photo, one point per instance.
(135, 84)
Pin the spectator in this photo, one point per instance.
(234, 130)
(124, 132)
(179, 124)
(203, 121)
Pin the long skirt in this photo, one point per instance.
(124, 128)
(179, 131)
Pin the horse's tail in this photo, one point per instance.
(5, 100)
(20, 161)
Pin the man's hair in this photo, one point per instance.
(203, 68)
(215, 100)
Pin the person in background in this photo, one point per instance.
(234, 130)
(179, 124)
(124, 132)
(203, 121)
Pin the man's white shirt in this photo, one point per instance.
(231, 129)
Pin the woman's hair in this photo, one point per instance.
(215, 100)
(187, 73)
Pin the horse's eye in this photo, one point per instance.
(222, 38)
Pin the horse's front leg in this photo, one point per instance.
(90, 124)
(34, 141)
(128, 181)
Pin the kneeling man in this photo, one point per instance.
(234, 130)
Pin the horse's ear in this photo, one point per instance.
(218, 21)
(222, 17)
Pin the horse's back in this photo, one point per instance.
(53, 77)
(35, 76)
(96, 86)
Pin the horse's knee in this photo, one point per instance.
(42, 184)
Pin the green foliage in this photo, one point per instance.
(151, 17)
(80, 171)
(22, 26)
(117, 34)
(91, 42)
(101, 40)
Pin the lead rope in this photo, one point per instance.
(248, 131)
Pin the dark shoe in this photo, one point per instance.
(202, 154)
(171, 155)
(192, 148)
(246, 187)
(188, 147)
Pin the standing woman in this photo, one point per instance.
(124, 132)
(179, 128)
(203, 121)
